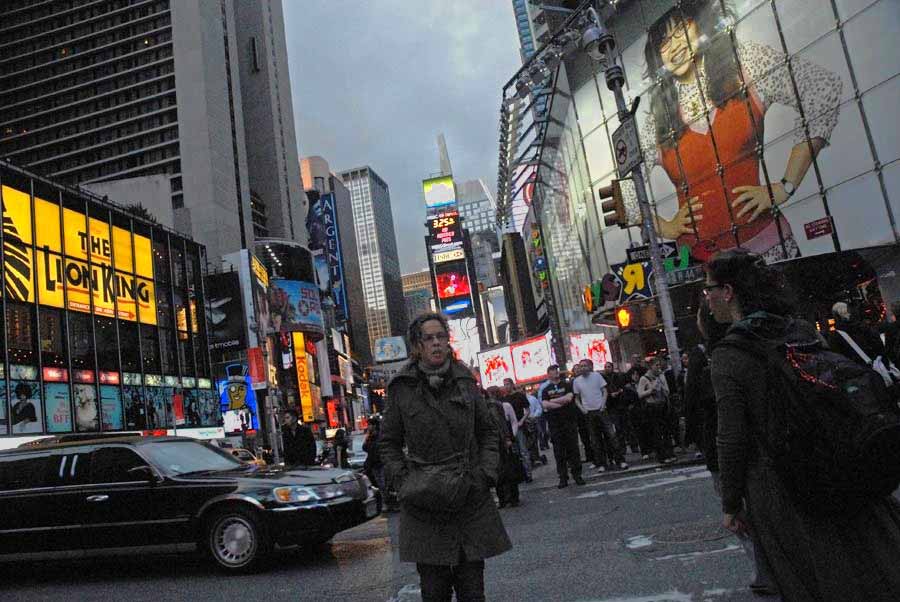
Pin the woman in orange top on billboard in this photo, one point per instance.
(705, 129)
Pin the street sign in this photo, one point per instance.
(642, 253)
(626, 147)
(691, 274)
(820, 227)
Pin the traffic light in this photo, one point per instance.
(613, 209)
(624, 317)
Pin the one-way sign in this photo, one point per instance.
(642, 253)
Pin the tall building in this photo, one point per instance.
(476, 206)
(98, 91)
(378, 261)
(417, 293)
(317, 177)
(524, 28)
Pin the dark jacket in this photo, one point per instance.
(432, 425)
(867, 339)
(831, 558)
(299, 445)
(700, 405)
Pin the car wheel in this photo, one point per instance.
(235, 541)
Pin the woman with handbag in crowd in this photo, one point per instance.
(512, 471)
(448, 520)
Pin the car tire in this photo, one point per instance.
(234, 540)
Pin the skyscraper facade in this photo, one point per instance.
(378, 261)
(99, 91)
(476, 206)
(524, 29)
(417, 293)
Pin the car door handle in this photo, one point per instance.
(97, 498)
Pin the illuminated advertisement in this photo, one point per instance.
(390, 349)
(464, 340)
(115, 274)
(227, 328)
(301, 363)
(531, 358)
(589, 346)
(495, 365)
(445, 232)
(457, 306)
(237, 402)
(439, 192)
(453, 284)
(295, 305)
(523, 189)
(56, 402)
(451, 255)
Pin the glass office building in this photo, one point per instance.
(103, 320)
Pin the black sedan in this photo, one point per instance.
(110, 496)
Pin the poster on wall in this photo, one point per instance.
(801, 113)
(495, 365)
(87, 412)
(531, 358)
(157, 407)
(135, 408)
(56, 404)
(464, 340)
(589, 345)
(25, 409)
(390, 349)
(110, 408)
(226, 312)
(295, 306)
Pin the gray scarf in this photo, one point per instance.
(436, 375)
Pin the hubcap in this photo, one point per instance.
(234, 541)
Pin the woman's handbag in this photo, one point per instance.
(440, 487)
(512, 470)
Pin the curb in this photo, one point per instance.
(614, 474)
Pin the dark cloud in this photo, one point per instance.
(375, 81)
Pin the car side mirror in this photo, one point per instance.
(143, 473)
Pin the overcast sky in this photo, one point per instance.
(375, 81)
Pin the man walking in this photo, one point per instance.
(562, 418)
(521, 407)
(298, 441)
(591, 389)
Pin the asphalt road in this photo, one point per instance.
(626, 537)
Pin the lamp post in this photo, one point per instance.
(600, 44)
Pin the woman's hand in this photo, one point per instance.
(734, 523)
(681, 223)
(757, 199)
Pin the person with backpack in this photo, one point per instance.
(653, 391)
(800, 462)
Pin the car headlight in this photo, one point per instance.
(301, 495)
(288, 495)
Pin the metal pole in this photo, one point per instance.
(615, 77)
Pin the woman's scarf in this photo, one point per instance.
(435, 375)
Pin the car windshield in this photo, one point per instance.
(183, 457)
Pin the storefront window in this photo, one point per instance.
(150, 349)
(106, 340)
(53, 338)
(161, 259)
(130, 346)
(167, 356)
(20, 333)
(81, 341)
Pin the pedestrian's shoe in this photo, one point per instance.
(669, 460)
(601, 469)
(562, 485)
(579, 481)
(623, 465)
(645, 457)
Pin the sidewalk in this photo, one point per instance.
(545, 476)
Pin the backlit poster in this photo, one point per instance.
(87, 412)
(589, 345)
(531, 358)
(495, 365)
(295, 305)
(111, 407)
(208, 407)
(25, 409)
(57, 408)
(158, 411)
(464, 340)
(439, 192)
(135, 407)
(453, 284)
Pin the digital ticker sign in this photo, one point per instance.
(445, 232)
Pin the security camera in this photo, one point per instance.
(596, 39)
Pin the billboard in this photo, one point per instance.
(445, 231)
(390, 349)
(227, 329)
(464, 340)
(589, 345)
(531, 358)
(304, 373)
(439, 192)
(523, 192)
(495, 365)
(324, 234)
(117, 277)
(453, 284)
(295, 306)
(237, 402)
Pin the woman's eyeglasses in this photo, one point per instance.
(710, 287)
(441, 337)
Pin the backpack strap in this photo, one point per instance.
(862, 354)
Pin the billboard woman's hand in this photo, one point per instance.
(682, 222)
(757, 199)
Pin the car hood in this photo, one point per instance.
(276, 475)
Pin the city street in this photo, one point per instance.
(642, 536)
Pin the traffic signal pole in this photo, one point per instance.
(615, 77)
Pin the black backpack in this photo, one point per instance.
(831, 427)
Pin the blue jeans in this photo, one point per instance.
(524, 452)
